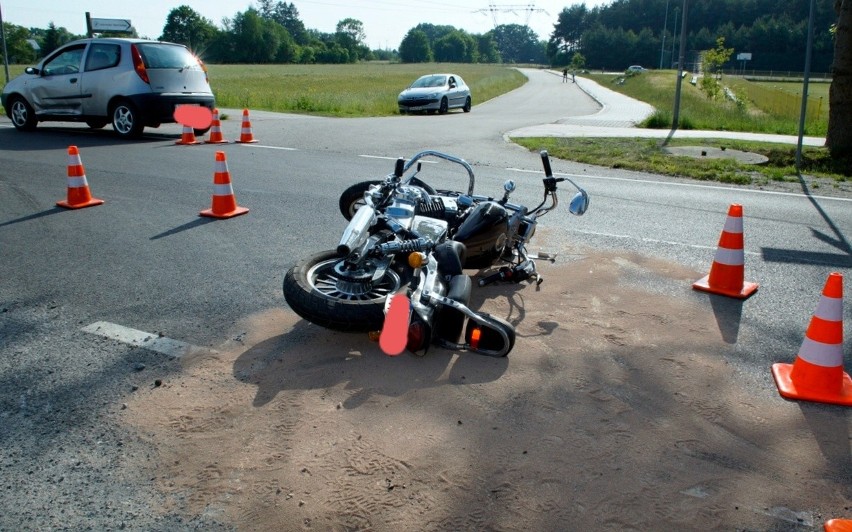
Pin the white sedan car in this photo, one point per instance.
(435, 92)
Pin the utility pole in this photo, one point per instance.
(805, 87)
(673, 31)
(665, 28)
(676, 118)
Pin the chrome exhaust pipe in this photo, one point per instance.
(357, 232)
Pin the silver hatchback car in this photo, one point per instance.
(131, 83)
(435, 92)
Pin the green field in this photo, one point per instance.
(357, 90)
(366, 89)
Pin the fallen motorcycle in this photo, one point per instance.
(406, 238)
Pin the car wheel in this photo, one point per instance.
(444, 106)
(126, 120)
(23, 116)
(96, 124)
(467, 104)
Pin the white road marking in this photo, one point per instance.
(268, 147)
(152, 342)
(694, 185)
(378, 157)
(395, 158)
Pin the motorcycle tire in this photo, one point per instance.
(329, 307)
(353, 197)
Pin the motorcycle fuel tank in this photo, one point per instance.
(483, 233)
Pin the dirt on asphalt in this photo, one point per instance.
(616, 410)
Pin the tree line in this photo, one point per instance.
(272, 32)
(645, 32)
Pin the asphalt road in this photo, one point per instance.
(146, 261)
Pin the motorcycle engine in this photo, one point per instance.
(404, 204)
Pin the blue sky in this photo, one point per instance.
(385, 21)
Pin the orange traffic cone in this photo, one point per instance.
(216, 130)
(246, 136)
(188, 136)
(817, 373)
(728, 269)
(78, 188)
(838, 525)
(224, 201)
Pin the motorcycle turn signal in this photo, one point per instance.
(416, 259)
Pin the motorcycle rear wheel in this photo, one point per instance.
(353, 197)
(322, 295)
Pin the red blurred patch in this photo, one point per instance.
(194, 116)
(394, 334)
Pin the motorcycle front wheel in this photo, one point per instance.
(318, 290)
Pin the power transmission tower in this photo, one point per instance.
(494, 9)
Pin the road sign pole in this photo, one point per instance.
(805, 88)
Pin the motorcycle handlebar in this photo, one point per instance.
(399, 168)
(405, 246)
(447, 157)
(500, 275)
(545, 161)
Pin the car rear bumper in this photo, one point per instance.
(160, 108)
(420, 104)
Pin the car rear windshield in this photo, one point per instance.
(429, 81)
(159, 55)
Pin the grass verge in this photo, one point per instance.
(647, 155)
(753, 111)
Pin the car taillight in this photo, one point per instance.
(138, 64)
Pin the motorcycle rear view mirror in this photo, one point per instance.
(579, 203)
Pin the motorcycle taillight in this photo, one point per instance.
(417, 336)
(475, 335)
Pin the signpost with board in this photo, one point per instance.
(107, 25)
(745, 56)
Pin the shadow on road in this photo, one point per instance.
(838, 241)
(35, 216)
(185, 227)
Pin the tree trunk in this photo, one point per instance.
(839, 138)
